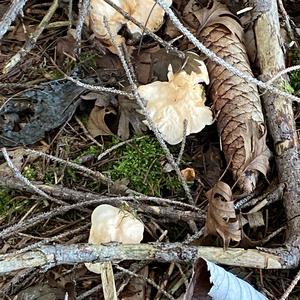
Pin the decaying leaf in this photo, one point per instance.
(257, 153)
(236, 101)
(221, 216)
(210, 281)
(136, 289)
(129, 116)
(65, 46)
(146, 12)
(96, 123)
(181, 98)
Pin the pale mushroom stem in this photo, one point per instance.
(108, 281)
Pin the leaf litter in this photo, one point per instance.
(44, 115)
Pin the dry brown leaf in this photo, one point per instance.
(236, 102)
(257, 152)
(221, 216)
(65, 46)
(136, 288)
(96, 123)
(129, 116)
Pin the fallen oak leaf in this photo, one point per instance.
(129, 116)
(221, 216)
(96, 124)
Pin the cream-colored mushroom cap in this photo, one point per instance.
(149, 13)
(138, 9)
(110, 224)
(181, 98)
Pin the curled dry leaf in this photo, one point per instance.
(181, 98)
(146, 12)
(236, 101)
(221, 216)
(65, 46)
(96, 124)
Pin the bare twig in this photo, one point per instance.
(70, 13)
(185, 123)
(291, 287)
(86, 132)
(97, 88)
(104, 153)
(283, 72)
(83, 11)
(287, 21)
(54, 255)
(72, 165)
(153, 127)
(54, 238)
(32, 40)
(218, 59)
(24, 180)
(10, 15)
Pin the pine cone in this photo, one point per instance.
(237, 104)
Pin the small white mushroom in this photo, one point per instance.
(181, 98)
(111, 224)
(139, 10)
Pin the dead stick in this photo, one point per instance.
(280, 118)
(50, 256)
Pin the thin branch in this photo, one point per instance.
(30, 43)
(54, 238)
(97, 88)
(283, 72)
(24, 180)
(86, 132)
(23, 225)
(218, 59)
(72, 165)
(153, 127)
(10, 15)
(83, 11)
(291, 287)
(185, 123)
(54, 255)
(106, 152)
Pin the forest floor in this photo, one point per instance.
(59, 153)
